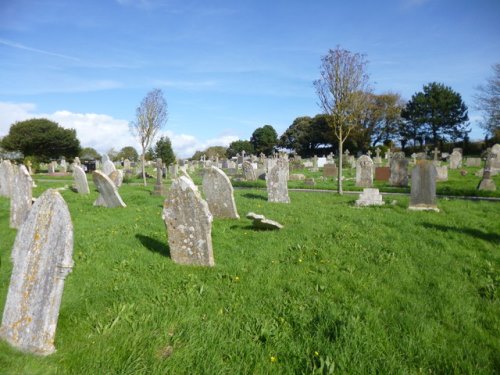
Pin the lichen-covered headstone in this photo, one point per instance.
(455, 160)
(442, 172)
(6, 178)
(21, 196)
(423, 186)
(364, 171)
(42, 257)
(399, 170)
(189, 224)
(158, 189)
(219, 194)
(81, 183)
(117, 177)
(108, 193)
(487, 183)
(248, 171)
(277, 182)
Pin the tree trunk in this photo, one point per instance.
(143, 162)
(339, 169)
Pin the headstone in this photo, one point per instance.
(369, 197)
(310, 181)
(473, 162)
(364, 171)
(315, 164)
(219, 194)
(108, 167)
(6, 178)
(297, 177)
(399, 170)
(414, 158)
(487, 183)
(117, 177)
(270, 163)
(21, 196)
(382, 173)
(260, 222)
(423, 186)
(158, 189)
(126, 164)
(173, 170)
(189, 224)
(436, 153)
(81, 183)
(108, 192)
(52, 167)
(63, 166)
(442, 173)
(248, 171)
(77, 161)
(276, 181)
(377, 159)
(495, 160)
(42, 258)
(455, 160)
(330, 170)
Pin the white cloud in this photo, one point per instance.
(37, 50)
(102, 131)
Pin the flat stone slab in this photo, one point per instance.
(260, 222)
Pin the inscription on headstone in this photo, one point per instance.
(423, 186)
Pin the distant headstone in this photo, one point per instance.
(77, 161)
(81, 183)
(108, 192)
(52, 167)
(6, 178)
(369, 197)
(117, 177)
(173, 170)
(473, 162)
(310, 181)
(219, 194)
(442, 173)
(21, 196)
(423, 186)
(42, 258)
(189, 224)
(495, 160)
(382, 173)
(399, 170)
(277, 182)
(377, 159)
(159, 189)
(126, 164)
(487, 183)
(330, 170)
(364, 171)
(314, 164)
(248, 171)
(297, 177)
(108, 167)
(455, 160)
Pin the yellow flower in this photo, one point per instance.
(300, 260)
(236, 278)
(274, 359)
(316, 354)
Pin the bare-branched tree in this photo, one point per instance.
(488, 102)
(151, 116)
(342, 92)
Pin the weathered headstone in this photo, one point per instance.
(51, 169)
(382, 173)
(21, 196)
(442, 173)
(77, 161)
(42, 258)
(81, 183)
(108, 192)
(297, 177)
(6, 178)
(330, 170)
(364, 171)
(455, 160)
(126, 164)
(276, 181)
(487, 183)
(189, 224)
(473, 162)
(399, 170)
(315, 164)
(423, 186)
(369, 197)
(117, 177)
(173, 170)
(63, 167)
(248, 171)
(377, 159)
(108, 166)
(159, 189)
(495, 159)
(310, 181)
(219, 194)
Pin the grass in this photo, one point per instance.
(339, 289)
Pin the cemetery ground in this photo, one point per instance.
(339, 289)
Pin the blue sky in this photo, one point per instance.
(225, 67)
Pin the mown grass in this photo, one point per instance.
(339, 289)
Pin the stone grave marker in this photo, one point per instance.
(423, 186)
(6, 178)
(219, 194)
(364, 171)
(369, 197)
(442, 173)
(399, 170)
(108, 166)
(189, 224)
(314, 164)
(42, 258)
(310, 181)
(495, 162)
(248, 171)
(21, 196)
(159, 189)
(108, 192)
(81, 183)
(487, 183)
(377, 159)
(455, 160)
(330, 170)
(52, 167)
(277, 182)
(117, 177)
(382, 173)
(473, 162)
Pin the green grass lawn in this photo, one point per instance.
(338, 290)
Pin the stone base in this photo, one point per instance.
(369, 197)
(158, 190)
(487, 184)
(423, 207)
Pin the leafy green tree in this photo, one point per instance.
(128, 152)
(163, 149)
(214, 151)
(239, 146)
(307, 136)
(42, 139)
(488, 102)
(437, 113)
(197, 155)
(264, 140)
(89, 153)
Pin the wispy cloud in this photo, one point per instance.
(37, 50)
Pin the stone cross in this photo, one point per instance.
(436, 153)
(369, 153)
(346, 152)
(219, 194)
(42, 258)
(377, 152)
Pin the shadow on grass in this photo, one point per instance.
(251, 227)
(492, 237)
(254, 196)
(154, 245)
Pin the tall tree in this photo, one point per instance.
(239, 146)
(151, 116)
(437, 112)
(89, 153)
(42, 139)
(307, 135)
(264, 139)
(487, 100)
(341, 90)
(127, 152)
(163, 149)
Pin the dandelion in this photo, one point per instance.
(274, 359)
(316, 354)
(237, 279)
(300, 260)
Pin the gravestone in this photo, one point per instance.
(108, 192)
(108, 166)
(77, 161)
(51, 169)
(277, 182)
(126, 164)
(6, 178)
(248, 171)
(117, 177)
(399, 170)
(377, 159)
(423, 186)
(310, 181)
(330, 170)
(382, 173)
(189, 224)
(442, 173)
(173, 170)
(495, 160)
(81, 183)
(369, 197)
(473, 162)
(297, 177)
(21, 196)
(219, 194)
(487, 183)
(455, 160)
(42, 258)
(63, 167)
(364, 171)
(314, 164)
(159, 189)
